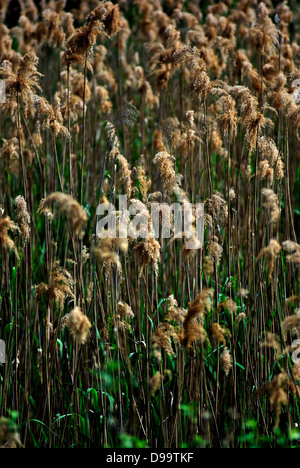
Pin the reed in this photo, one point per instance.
(142, 341)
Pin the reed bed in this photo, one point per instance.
(138, 343)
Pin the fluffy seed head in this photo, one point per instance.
(23, 217)
(79, 325)
(76, 215)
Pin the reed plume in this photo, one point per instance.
(271, 251)
(278, 395)
(162, 338)
(226, 361)
(271, 203)
(263, 35)
(165, 164)
(61, 287)
(78, 324)
(76, 215)
(23, 218)
(6, 243)
(24, 82)
(79, 46)
(193, 324)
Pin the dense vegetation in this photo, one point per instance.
(144, 342)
